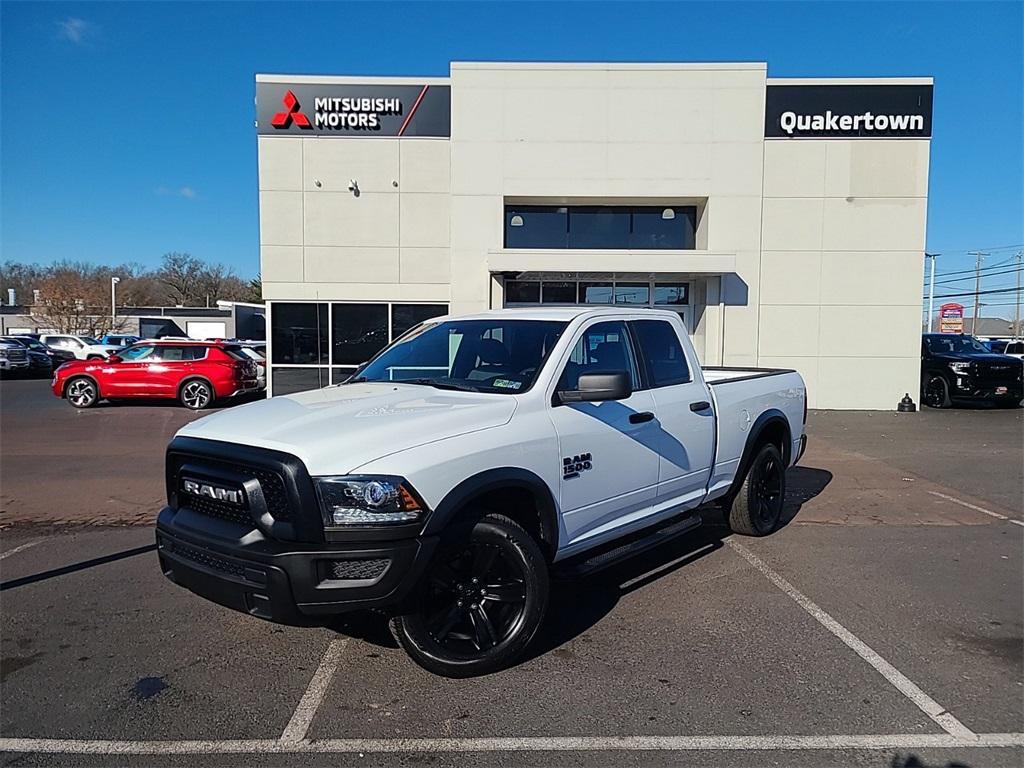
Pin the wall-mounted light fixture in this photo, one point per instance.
(516, 221)
(668, 214)
(353, 187)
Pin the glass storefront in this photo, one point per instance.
(314, 344)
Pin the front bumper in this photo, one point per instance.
(11, 365)
(968, 390)
(289, 583)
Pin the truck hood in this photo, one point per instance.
(980, 358)
(337, 429)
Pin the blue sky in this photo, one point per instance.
(127, 129)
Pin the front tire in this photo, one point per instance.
(936, 393)
(757, 507)
(482, 599)
(82, 392)
(195, 394)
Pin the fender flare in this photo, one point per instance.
(492, 480)
(769, 418)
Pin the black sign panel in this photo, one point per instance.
(848, 111)
(330, 109)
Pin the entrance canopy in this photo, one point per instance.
(641, 264)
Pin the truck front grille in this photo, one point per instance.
(219, 509)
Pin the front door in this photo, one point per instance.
(130, 377)
(608, 449)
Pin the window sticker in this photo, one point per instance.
(506, 384)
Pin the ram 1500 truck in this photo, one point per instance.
(443, 481)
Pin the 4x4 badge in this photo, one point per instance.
(573, 465)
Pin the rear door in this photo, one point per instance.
(171, 364)
(684, 407)
(609, 450)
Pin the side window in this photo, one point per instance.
(662, 353)
(603, 347)
(136, 354)
(196, 353)
(174, 354)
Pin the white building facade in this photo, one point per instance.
(783, 218)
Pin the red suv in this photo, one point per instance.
(196, 373)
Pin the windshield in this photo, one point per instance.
(955, 345)
(500, 355)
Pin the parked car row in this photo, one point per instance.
(960, 368)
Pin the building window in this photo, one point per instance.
(559, 292)
(596, 293)
(633, 293)
(307, 351)
(289, 380)
(597, 227)
(536, 226)
(522, 292)
(671, 293)
(406, 316)
(359, 331)
(299, 334)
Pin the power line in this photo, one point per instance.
(1013, 271)
(970, 251)
(972, 293)
(971, 271)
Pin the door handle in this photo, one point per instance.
(700, 405)
(640, 418)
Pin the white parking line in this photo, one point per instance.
(901, 682)
(521, 744)
(976, 508)
(311, 700)
(18, 549)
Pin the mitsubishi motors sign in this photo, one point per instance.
(352, 109)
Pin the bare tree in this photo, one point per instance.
(72, 300)
(182, 274)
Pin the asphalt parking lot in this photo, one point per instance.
(881, 626)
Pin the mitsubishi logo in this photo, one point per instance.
(284, 119)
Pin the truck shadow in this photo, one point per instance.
(579, 604)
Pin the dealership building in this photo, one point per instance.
(783, 219)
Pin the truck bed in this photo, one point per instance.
(716, 374)
(740, 396)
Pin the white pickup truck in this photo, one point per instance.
(451, 473)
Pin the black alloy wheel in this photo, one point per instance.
(481, 602)
(936, 393)
(756, 509)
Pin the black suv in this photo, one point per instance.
(955, 367)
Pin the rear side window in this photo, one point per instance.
(662, 353)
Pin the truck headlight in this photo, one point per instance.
(367, 500)
(960, 367)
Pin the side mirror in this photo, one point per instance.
(596, 387)
(114, 359)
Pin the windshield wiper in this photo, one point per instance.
(440, 384)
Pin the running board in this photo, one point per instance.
(609, 557)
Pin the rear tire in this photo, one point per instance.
(82, 392)
(481, 601)
(757, 507)
(195, 394)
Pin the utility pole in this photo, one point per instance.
(931, 292)
(1016, 312)
(979, 255)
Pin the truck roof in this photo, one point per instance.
(562, 313)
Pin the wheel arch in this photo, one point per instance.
(772, 426)
(514, 492)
